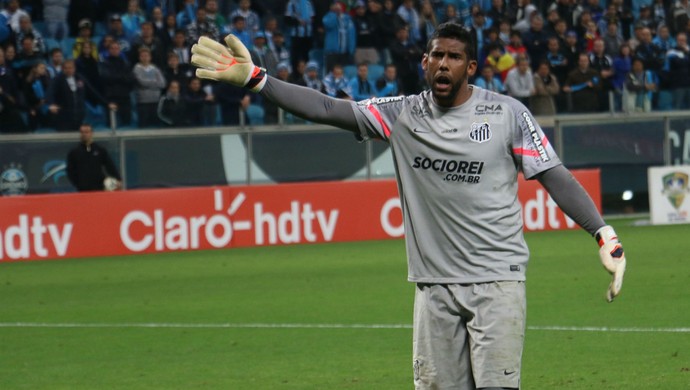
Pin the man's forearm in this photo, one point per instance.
(310, 104)
(572, 198)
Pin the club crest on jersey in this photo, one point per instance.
(480, 132)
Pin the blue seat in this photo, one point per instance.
(350, 71)
(255, 115)
(375, 72)
(67, 44)
(51, 44)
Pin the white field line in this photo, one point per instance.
(316, 326)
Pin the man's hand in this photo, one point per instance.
(231, 64)
(613, 259)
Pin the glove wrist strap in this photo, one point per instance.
(257, 80)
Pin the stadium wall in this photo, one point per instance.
(163, 220)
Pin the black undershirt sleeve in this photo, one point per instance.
(571, 198)
(310, 104)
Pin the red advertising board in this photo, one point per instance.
(147, 221)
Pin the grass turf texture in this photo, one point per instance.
(347, 283)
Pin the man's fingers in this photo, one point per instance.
(207, 74)
(206, 52)
(206, 63)
(617, 282)
(237, 48)
(211, 44)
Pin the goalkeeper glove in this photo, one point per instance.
(231, 64)
(613, 259)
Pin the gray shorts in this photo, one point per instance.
(468, 336)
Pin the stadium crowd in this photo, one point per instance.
(64, 62)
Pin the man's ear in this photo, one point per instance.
(425, 61)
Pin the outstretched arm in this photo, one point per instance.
(232, 64)
(576, 203)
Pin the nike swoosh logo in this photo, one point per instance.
(506, 372)
(416, 130)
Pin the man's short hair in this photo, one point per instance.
(457, 32)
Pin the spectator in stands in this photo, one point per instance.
(388, 84)
(180, 47)
(172, 108)
(640, 84)
(406, 57)
(117, 31)
(168, 31)
(262, 56)
(427, 21)
(89, 163)
(535, 38)
(175, 71)
(202, 27)
(340, 36)
(270, 28)
(66, 98)
(118, 82)
(659, 13)
(408, 13)
(85, 35)
(622, 64)
(13, 13)
(198, 103)
(520, 81)
(583, 85)
(515, 47)
(335, 83)
(477, 29)
(603, 64)
(10, 116)
(238, 29)
(26, 57)
(186, 14)
(26, 28)
(232, 100)
(663, 39)
(489, 80)
(608, 17)
(311, 76)
(132, 19)
(55, 60)
(215, 17)
(360, 87)
(55, 18)
(35, 92)
(158, 20)
(677, 69)
(389, 24)
(522, 19)
(298, 19)
(298, 73)
(497, 12)
(148, 39)
(87, 67)
(591, 35)
(560, 31)
(571, 50)
(645, 17)
(150, 83)
(279, 49)
(557, 60)
(546, 88)
(367, 35)
(251, 19)
(501, 62)
(652, 57)
(612, 39)
(625, 15)
(595, 9)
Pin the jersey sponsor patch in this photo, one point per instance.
(536, 138)
(480, 132)
(488, 109)
(381, 100)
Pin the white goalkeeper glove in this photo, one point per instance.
(613, 259)
(231, 64)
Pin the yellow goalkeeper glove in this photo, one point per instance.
(231, 64)
(613, 259)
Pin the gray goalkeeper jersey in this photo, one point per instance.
(457, 179)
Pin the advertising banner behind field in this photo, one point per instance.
(147, 221)
(669, 194)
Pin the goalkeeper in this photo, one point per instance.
(457, 151)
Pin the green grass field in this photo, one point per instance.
(333, 316)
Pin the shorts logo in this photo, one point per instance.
(675, 188)
(480, 132)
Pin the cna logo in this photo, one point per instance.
(488, 109)
(675, 187)
(13, 181)
(480, 132)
